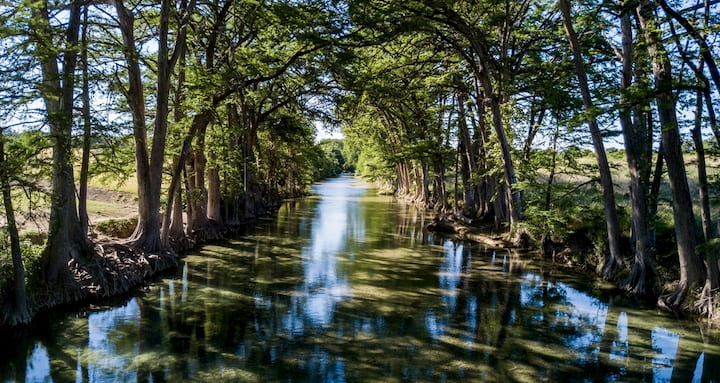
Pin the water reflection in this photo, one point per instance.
(347, 287)
(324, 285)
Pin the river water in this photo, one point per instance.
(345, 286)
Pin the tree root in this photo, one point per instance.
(448, 224)
(707, 306)
(111, 270)
(674, 301)
(640, 282)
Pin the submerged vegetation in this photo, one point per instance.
(507, 117)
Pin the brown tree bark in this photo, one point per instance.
(691, 268)
(642, 275)
(173, 220)
(65, 238)
(478, 63)
(705, 215)
(85, 161)
(214, 210)
(468, 163)
(20, 312)
(614, 258)
(149, 161)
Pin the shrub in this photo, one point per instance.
(116, 227)
(30, 254)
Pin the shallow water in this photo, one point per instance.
(347, 287)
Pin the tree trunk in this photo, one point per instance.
(213, 203)
(85, 162)
(512, 197)
(172, 223)
(150, 166)
(653, 197)
(553, 169)
(203, 230)
(65, 238)
(536, 121)
(642, 275)
(147, 217)
(176, 230)
(691, 268)
(187, 176)
(484, 189)
(614, 258)
(705, 215)
(706, 306)
(468, 164)
(20, 309)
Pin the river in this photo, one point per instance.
(346, 286)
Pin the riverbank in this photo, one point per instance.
(113, 266)
(576, 254)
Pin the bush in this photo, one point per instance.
(35, 237)
(116, 227)
(31, 253)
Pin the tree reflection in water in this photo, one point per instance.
(347, 287)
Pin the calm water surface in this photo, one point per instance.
(346, 287)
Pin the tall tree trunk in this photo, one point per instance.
(614, 258)
(147, 216)
(149, 164)
(172, 223)
(65, 238)
(654, 195)
(85, 162)
(203, 230)
(484, 190)
(187, 177)
(705, 215)
(20, 312)
(511, 196)
(468, 163)
(691, 268)
(214, 211)
(480, 68)
(642, 275)
(706, 306)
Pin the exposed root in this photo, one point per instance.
(608, 269)
(641, 281)
(707, 306)
(674, 301)
(112, 269)
(116, 269)
(447, 224)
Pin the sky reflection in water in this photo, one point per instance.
(347, 287)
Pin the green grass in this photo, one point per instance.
(128, 186)
(108, 210)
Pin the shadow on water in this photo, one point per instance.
(346, 286)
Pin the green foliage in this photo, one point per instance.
(31, 260)
(116, 227)
(333, 150)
